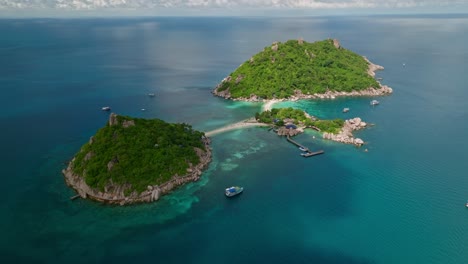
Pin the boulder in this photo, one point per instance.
(274, 47)
(113, 119)
(112, 163)
(88, 156)
(128, 123)
(358, 141)
(336, 43)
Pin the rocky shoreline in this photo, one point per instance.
(344, 136)
(115, 194)
(346, 133)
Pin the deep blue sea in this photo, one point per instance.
(403, 201)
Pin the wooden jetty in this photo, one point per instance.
(307, 152)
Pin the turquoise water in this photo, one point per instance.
(400, 202)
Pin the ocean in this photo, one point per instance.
(402, 201)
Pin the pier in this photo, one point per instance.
(308, 152)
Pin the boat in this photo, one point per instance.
(151, 94)
(374, 102)
(233, 190)
(105, 108)
(466, 204)
(302, 149)
(345, 110)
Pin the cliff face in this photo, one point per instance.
(123, 194)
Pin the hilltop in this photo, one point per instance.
(137, 160)
(299, 69)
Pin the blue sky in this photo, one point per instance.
(228, 7)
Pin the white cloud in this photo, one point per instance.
(202, 4)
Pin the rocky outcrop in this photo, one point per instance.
(336, 43)
(373, 67)
(283, 131)
(128, 123)
(274, 47)
(113, 119)
(346, 133)
(371, 91)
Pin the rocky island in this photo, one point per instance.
(298, 69)
(291, 122)
(133, 160)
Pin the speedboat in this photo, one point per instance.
(345, 110)
(233, 190)
(374, 102)
(302, 149)
(105, 108)
(151, 94)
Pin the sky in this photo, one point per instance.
(227, 7)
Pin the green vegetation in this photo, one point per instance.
(277, 115)
(308, 67)
(148, 153)
(331, 126)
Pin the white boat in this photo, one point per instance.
(302, 149)
(466, 204)
(374, 102)
(345, 110)
(233, 190)
(151, 94)
(105, 108)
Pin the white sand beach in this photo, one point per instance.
(242, 124)
(269, 104)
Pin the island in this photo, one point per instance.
(297, 69)
(134, 160)
(291, 122)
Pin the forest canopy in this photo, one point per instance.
(276, 116)
(146, 152)
(282, 68)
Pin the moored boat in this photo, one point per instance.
(233, 190)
